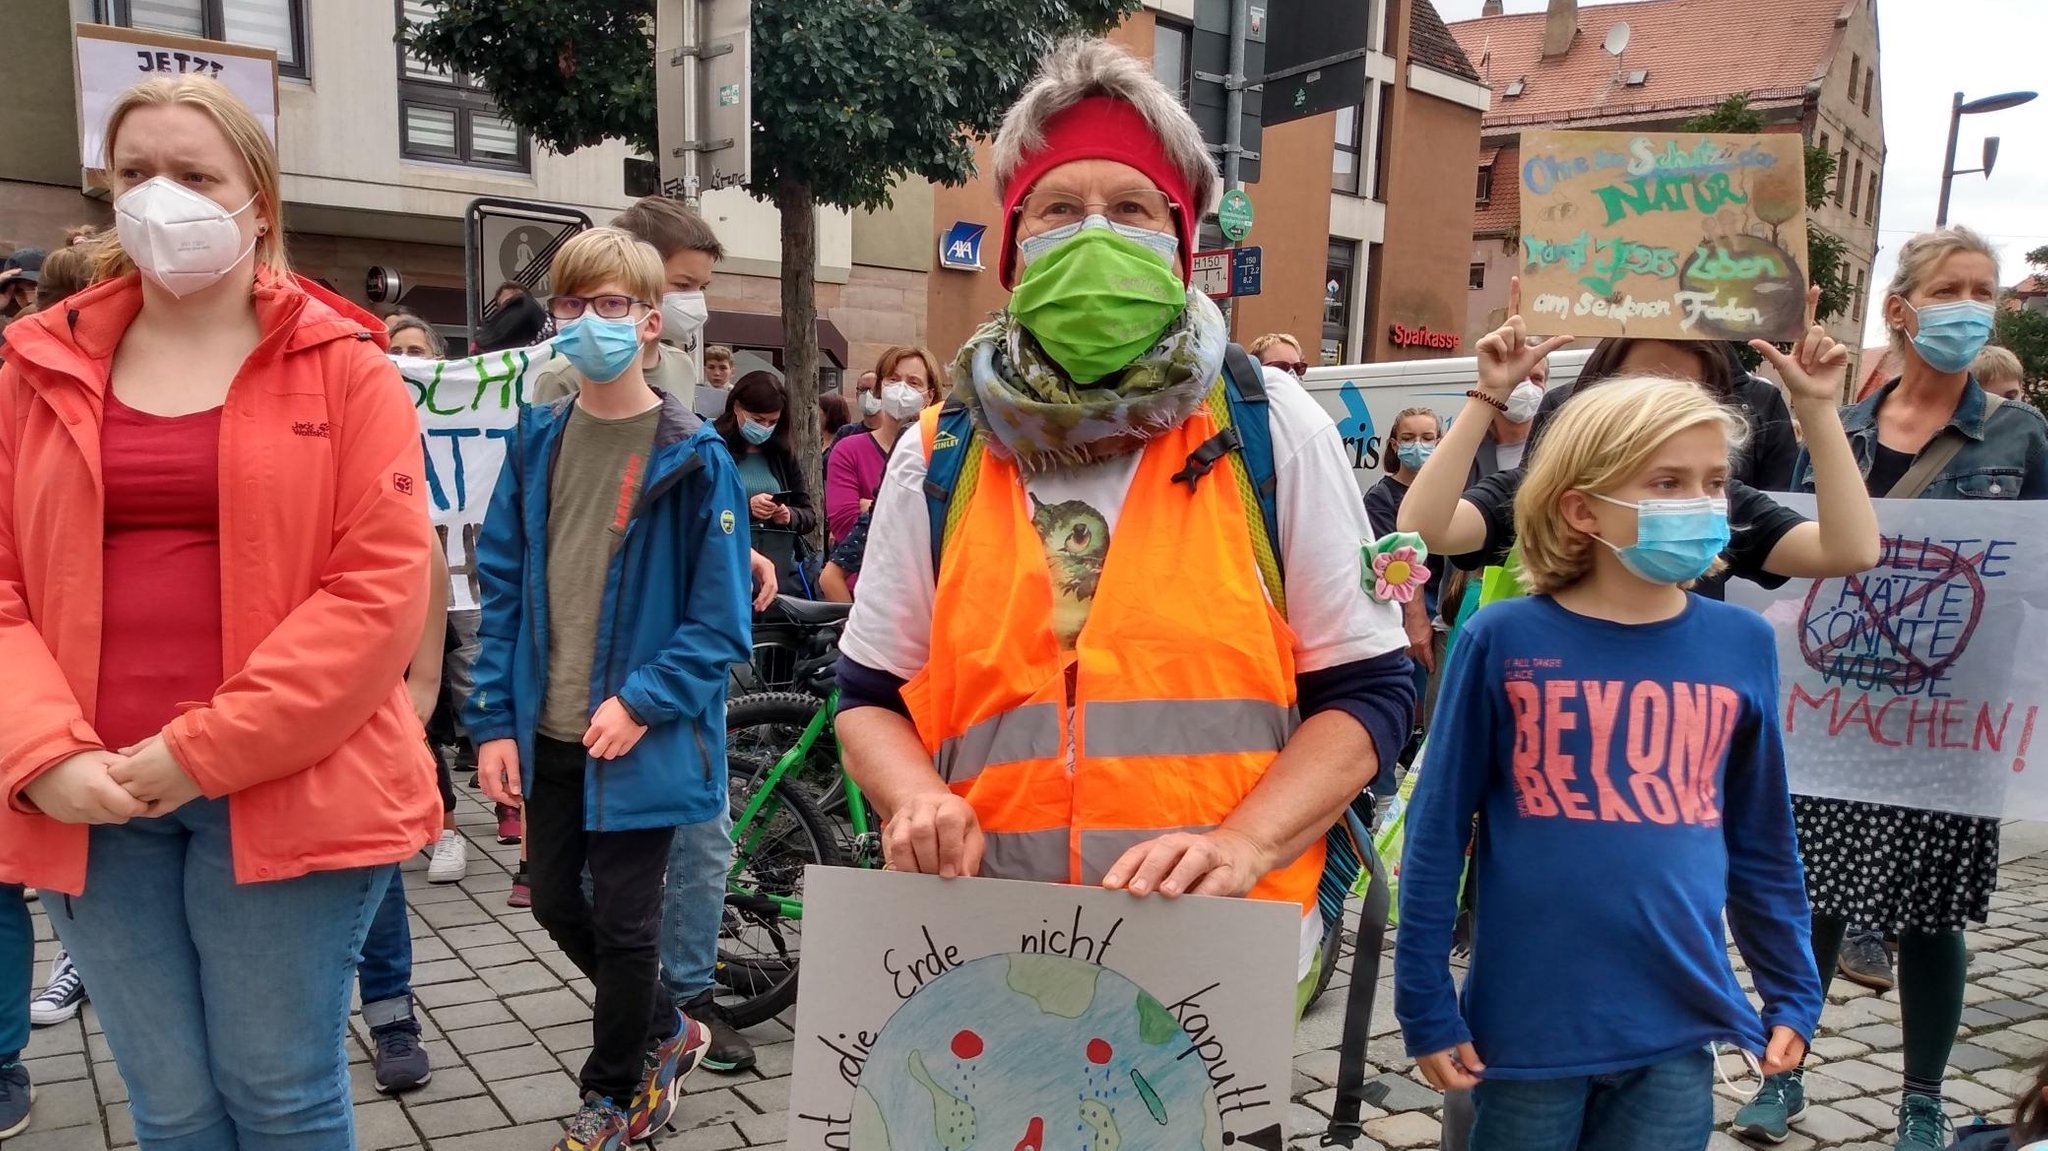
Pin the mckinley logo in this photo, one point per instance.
(309, 428)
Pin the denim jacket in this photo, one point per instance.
(2005, 458)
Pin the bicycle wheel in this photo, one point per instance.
(760, 938)
(1333, 952)
(761, 727)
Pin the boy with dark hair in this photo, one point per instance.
(600, 700)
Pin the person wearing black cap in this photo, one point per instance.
(19, 275)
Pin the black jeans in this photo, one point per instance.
(617, 943)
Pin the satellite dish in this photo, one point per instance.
(1617, 39)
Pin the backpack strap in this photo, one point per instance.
(1244, 437)
(1944, 447)
(952, 452)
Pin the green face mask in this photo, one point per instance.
(1097, 302)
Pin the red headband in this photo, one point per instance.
(1099, 128)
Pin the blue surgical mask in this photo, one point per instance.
(756, 434)
(1951, 335)
(1165, 245)
(1676, 540)
(599, 349)
(1414, 455)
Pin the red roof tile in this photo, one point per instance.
(1683, 44)
(2034, 285)
(1880, 364)
(1432, 45)
(1502, 213)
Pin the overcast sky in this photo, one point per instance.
(1929, 50)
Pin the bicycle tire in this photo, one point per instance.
(793, 710)
(1333, 952)
(754, 988)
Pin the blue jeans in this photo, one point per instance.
(1667, 1106)
(17, 972)
(692, 906)
(384, 973)
(225, 1005)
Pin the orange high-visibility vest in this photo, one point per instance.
(1182, 680)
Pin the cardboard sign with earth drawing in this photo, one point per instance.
(990, 1015)
(1663, 235)
(1919, 683)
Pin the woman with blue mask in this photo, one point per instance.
(1923, 876)
(1415, 436)
(755, 426)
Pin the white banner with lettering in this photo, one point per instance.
(1921, 682)
(467, 411)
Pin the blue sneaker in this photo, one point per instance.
(1769, 1116)
(1923, 1126)
(598, 1126)
(16, 1096)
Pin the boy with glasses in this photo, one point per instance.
(601, 707)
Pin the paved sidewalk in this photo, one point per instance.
(505, 1016)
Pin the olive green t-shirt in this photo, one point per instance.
(598, 475)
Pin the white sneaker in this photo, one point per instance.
(61, 1000)
(451, 859)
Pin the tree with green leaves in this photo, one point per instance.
(1825, 262)
(850, 97)
(2025, 333)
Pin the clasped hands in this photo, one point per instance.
(102, 786)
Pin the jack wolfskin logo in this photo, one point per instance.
(727, 521)
(945, 440)
(401, 483)
(309, 428)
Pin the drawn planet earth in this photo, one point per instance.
(1026, 1052)
(1759, 289)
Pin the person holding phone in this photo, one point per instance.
(755, 426)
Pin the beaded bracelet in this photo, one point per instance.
(1482, 397)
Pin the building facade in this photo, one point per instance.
(1816, 74)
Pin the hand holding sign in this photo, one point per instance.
(1505, 355)
(1815, 369)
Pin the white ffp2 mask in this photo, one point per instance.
(683, 316)
(177, 237)
(901, 401)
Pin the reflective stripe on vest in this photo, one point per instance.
(1175, 700)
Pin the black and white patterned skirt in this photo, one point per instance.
(1896, 868)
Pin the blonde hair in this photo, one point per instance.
(1595, 444)
(1922, 254)
(1258, 347)
(244, 134)
(1993, 363)
(598, 256)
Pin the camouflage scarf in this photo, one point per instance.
(1033, 414)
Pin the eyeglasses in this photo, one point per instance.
(1297, 368)
(1147, 208)
(566, 308)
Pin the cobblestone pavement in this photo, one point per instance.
(505, 1016)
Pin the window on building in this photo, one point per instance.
(1856, 188)
(1855, 74)
(1869, 85)
(1870, 210)
(1340, 275)
(1826, 145)
(448, 116)
(1841, 173)
(279, 25)
(1345, 160)
(1172, 59)
(1484, 193)
(1475, 277)
(1382, 129)
(1862, 283)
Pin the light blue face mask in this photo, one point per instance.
(599, 349)
(1951, 335)
(1676, 540)
(1414, 455)
(1165, 245)
(756, 434)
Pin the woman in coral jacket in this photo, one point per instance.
(213, 541)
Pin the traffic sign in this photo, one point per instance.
(1234, 215)
(1212, 274)
(1246, 271)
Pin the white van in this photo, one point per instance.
(1365, 398)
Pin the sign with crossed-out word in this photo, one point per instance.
(964, 1014)
(1665, 235)
(1919, 683)
(468, 409)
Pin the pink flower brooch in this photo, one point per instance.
(1394, 571)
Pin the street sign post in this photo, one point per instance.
(704, 104)
(1234, 215)
(1212, 273)
(511, 240)
(1247, 271)
(1315, 59)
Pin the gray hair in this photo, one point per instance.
(1922, 254)
(1081, 67)
(405, 321)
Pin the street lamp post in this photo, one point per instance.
(1956, 112)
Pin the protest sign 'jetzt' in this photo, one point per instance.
(1920, 683)
(948, 1015)
(1667, 235)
